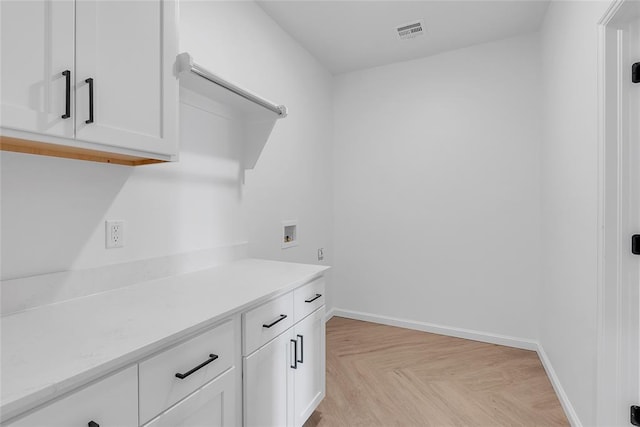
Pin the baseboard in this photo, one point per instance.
(329, 314)
(571, 414)
(469, 334)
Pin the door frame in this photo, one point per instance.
(612, 240)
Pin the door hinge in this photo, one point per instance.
(635, 415)
(635, 72)
(635, 244)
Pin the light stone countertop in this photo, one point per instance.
(50, 350)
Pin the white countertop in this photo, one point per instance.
(50, 350)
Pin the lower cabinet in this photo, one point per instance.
(284, 380)
(173, 374)
(268, 383)
(197, 382)
(111, 402)
(213, 406)
(309, 372)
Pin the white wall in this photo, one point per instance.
(435, 169)
(53, 210)
(292, 179)
(569, 199)
(437, 201)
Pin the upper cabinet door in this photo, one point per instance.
(126, 89)
(37, 47)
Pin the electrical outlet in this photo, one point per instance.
(114, 232)
(320, 254)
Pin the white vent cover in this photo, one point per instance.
(411, 29)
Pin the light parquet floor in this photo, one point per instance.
(380, 375)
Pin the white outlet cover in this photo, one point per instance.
(114, 234)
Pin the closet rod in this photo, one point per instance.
(186, 60)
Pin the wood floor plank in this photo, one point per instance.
(380, 375)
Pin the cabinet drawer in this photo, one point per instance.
(212, 406)
(266, 322)
(159, 385)
(110, 402)
(308, 298)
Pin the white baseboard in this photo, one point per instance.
(522, 343)
(329, 314)
(569, 411)
(469, 334)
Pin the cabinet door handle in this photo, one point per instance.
(93, 424)
(313, 298)
(281, 318)
(90, 81)
(212, 357)
(295, 354)
(301, 360)
(67, 100)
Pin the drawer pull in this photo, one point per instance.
(314, 298)
(212, 357)
(281, 318)
(67, 98)
(295, 354)
(301, 360)
(93, 424)
(90, 82)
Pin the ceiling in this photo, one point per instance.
(350, 35)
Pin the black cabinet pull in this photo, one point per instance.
(295, 354)
(634, 418)
(212, 357)
(314, 298)
(281, 318)
(93, 424)
(67, 100)
(90, 81)
(301, 360)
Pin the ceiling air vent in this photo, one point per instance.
(411, 30)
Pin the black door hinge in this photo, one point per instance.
(635, 244)
(635, 415)
(635, 72)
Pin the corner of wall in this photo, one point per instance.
(569, 411)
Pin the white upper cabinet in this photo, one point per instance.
(122, 91)
(128, 48)
(37, 46)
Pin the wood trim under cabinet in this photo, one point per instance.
(54, 150)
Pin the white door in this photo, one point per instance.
(268, 383)
(125, 51)
(631, 216)
(619, 218)
(36, 40)
(213, 406)
(309, 386)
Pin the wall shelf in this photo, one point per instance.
(256, 114)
